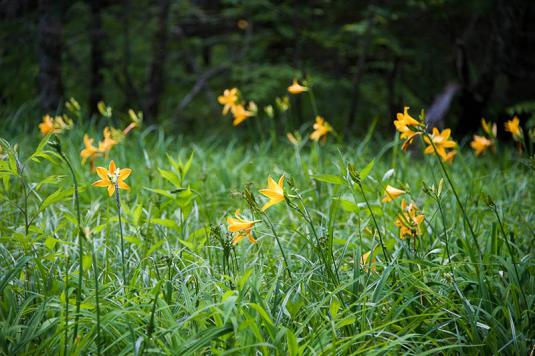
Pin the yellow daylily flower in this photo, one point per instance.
(513, 126)
(89, 151)
(274, 191)
(450, 156)
(111, 177)
(104, 110)
(364, 261)
(228, 99)
(108, 142)
(490, 128)
(135, 118)
(409, 221)
(241, 227)
(47, 126)
(392, 193)
(404, 122)
(252, 108)
(240, 114)
(283, 103)
(293, 140)
(296, 88)
(480, 144)
(442, 141)
(321, 129)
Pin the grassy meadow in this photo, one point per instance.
(332, 267)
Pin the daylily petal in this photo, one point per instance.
(101, 183)
(111, 189)
(124, 173)
(112, 167)
(122, 185)
(102, 173)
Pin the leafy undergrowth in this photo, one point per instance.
(463, 283)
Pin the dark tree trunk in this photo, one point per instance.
(50, 45)
(96, 36)
(155, 85)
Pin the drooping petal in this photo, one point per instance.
(111, 189)
(237, 238)
(101, 183)
(122, 185)
(250, 237)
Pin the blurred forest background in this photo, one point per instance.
(460, 60)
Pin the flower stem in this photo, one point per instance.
(443, 217)
(95, 271)
(279, 244)
(118, 201)
(80, 246)
(385, 252)
(313, 101)
(66, 292)
(474, 237)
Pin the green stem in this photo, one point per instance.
(443, 217)
(305, 214)
(118, 201)
(279, 244)
(66, 292)
(80, 246)
(465, 216)
(385, 252)
(95, 271)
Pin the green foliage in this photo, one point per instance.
(190, 291)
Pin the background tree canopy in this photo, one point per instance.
(366, 59)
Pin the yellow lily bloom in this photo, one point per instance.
(409, 221)
(89, 151)
(228, 99)
(111, 177)
(480, 144)
(240, 114)
(402, 123)
(441, 140)
(296, 88)
(293, 140)
(47, 126)
(513, 126)
(490, 128)
(364, 261)
(106, 145)
(54, 125)
(321, 129)
(392, 193)
(274, 191)
(450, 156)
(241, 227)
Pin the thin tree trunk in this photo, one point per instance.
(156, 84)
(96, 36)
(50, 45)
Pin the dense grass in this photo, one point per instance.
(188, 290)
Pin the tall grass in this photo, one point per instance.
(189, 291)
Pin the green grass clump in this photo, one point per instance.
(188, 290)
